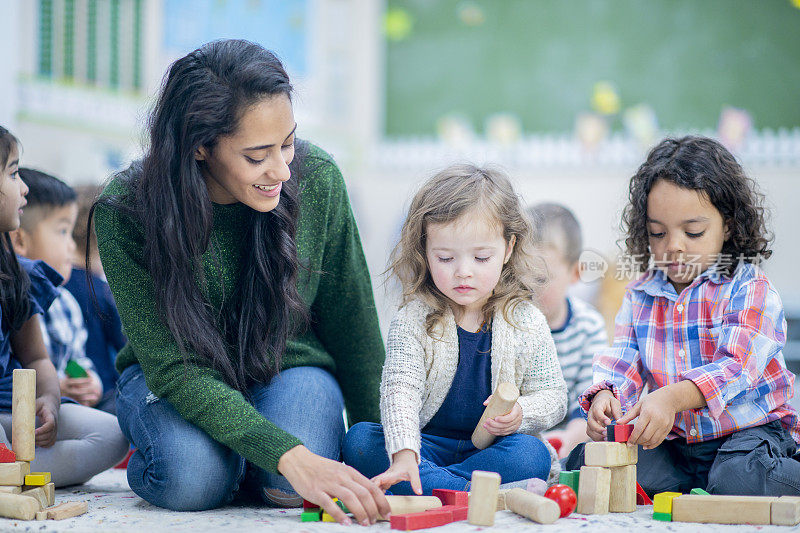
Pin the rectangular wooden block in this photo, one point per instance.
(722, 509)
(785, 511)
(483, 498)
(37, 479)
(610, 454)
(39, 494)
(23, 413)
(18, 506)
(593, 492)
(432, 518)
(662, 502)
(14, 473)
(459, 511)
(570, 478)
(452, 497)
(10, 489)
(67, 510)
(50, 489)
(311, 515)
(622, 496)
(327, 518)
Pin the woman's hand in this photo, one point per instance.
(404, 468)
(605, 409)
(503, 425)
(318, 480)
(86, 391)
(47, 413)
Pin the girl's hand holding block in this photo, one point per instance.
(404, 468)
(605, 408)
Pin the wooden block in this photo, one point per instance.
(593, 492)
(722, 509)
(610, 454)
(459, 511)
(569, 478)
(620, 432)
(501, 499)
(37, 479)
(622, 496)
(641, 496)
(537, 508)
(9, 489)
(50, 489)
(327, 518)
(410, 522)
(662, 517)
(452, 497)
(412, 504)
(14, 473)
(18, 506)
(23, 413)
(503, 400)
(785, 511)
(6, 455)
(662, 502)
(40, 494)
(41, 515)
(308, 505)
(311, 515)
(699, 491)
(483, 497)
(67, 510)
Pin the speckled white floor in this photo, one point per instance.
(113, 507)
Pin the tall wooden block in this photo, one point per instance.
(785, 511)
(537, 508)
(14, 473)
(722, 509)
(18, 506)
(483, 498)
(503, 400)
(593, 490)
(50, 489)
(610, 454)
(23, 413)
(622, 497)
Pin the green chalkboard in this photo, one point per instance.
(540, 59)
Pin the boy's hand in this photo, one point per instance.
(47, 413)
(605, 408)
(404, 468)
(656, 413)
(86, 391)
(503, 425)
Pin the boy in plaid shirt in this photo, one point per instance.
(45, 233)
(702, 331)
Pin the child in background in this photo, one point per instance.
(105, 337)
(467, 324)
(73, 442)
(45, 234)
(578, 329)
(704, 329)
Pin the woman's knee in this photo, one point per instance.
(185, 475)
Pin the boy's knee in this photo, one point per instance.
(359, 440)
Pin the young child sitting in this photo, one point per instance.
(91, 291)
(578, 329)
(703, 328)
(45, 234)
(467, 324)
(73, 442)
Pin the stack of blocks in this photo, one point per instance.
(26, 495)
(608, 481)
(700, 506)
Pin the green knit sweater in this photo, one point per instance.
(344, 337)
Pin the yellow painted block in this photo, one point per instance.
(37, 479)
(662, 502)
(327, 518)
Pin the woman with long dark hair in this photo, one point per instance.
(237, 269)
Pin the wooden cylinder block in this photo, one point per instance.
(502, 402)
(537, 508)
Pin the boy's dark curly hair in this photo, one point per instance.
(701, 164)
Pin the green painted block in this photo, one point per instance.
(570, 478)
(311, 515)
(699, 491)
(663, 517)
(342, 506)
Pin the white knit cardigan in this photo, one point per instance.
(419, 371)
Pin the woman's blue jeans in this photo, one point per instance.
(448, 463)
(178, 466)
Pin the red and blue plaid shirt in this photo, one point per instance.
(723, 333)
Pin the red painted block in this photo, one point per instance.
(459, 512)
(410, 522)
(622, 432)
(309, 505)
(452, 497)
(6, 455)
(641, 496)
